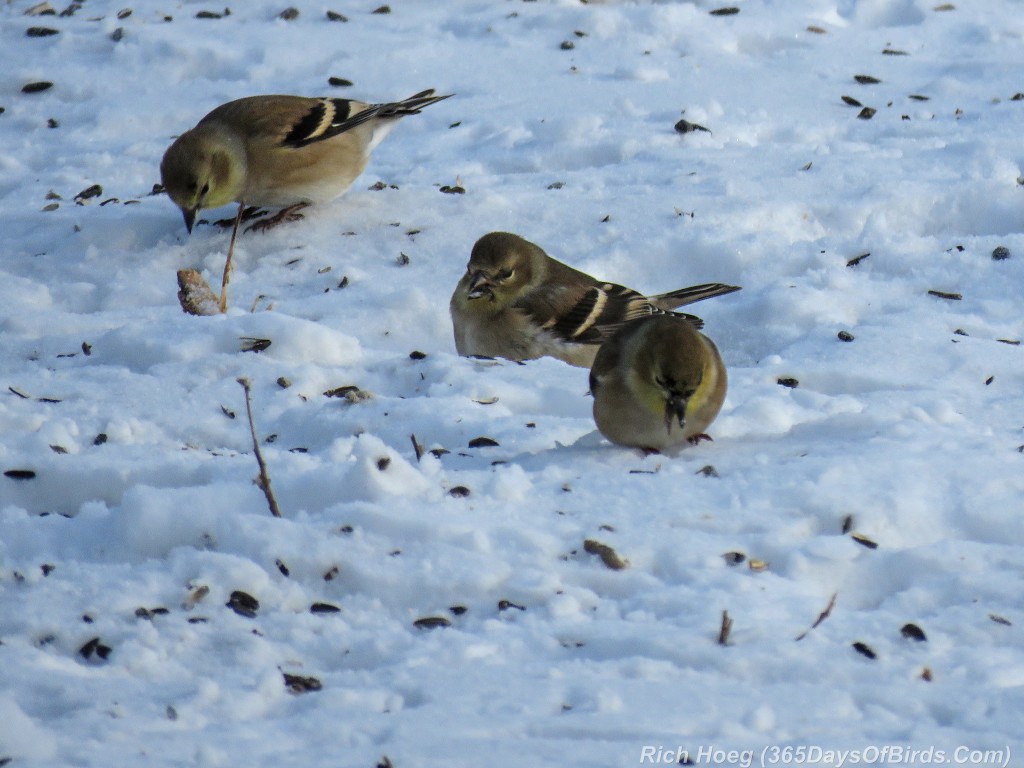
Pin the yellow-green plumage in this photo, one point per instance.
(658, 383)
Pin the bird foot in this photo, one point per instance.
(696, 439)
(285, 215)
(252, 212)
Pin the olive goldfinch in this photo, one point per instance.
(516, 302)
(278, 151)
(657, 384)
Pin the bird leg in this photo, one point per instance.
(227, 262)
(696, 439)
(291, 213)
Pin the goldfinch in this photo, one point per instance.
(278, 151)
(517, 302)
(657, 384)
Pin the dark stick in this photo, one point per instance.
(264, 479)
(726, 629)
(824, 615)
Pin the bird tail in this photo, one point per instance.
(411, 106)
(389, 111)
(684, 296)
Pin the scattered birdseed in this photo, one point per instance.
(685, 126)
(20, 474)
(243, 604)
(322, 608)
(913, 632)
(297, 684)
(864, 650)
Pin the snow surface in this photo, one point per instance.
(911, 433)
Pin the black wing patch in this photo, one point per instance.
(604, 309)
(599, 311)
(329, 117)
(579, 324)
(319, 122)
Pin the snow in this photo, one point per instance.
(911, 433)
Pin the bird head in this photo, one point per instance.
(202, 170)
(500, 268)
(674, 362)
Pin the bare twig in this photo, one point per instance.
(821, 617)
(726, 629)
(416, 446)
(264, 479)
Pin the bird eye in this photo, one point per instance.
(504, 275)
(206, 188)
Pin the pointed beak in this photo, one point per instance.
(480, 285)
(190, 217)
(675, 411)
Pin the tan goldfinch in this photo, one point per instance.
(278, 151)
(657, 384)
(518, 303)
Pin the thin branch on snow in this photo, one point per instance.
(824, 615)
(726, 629)
(264, 478)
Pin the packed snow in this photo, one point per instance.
(431, 599)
